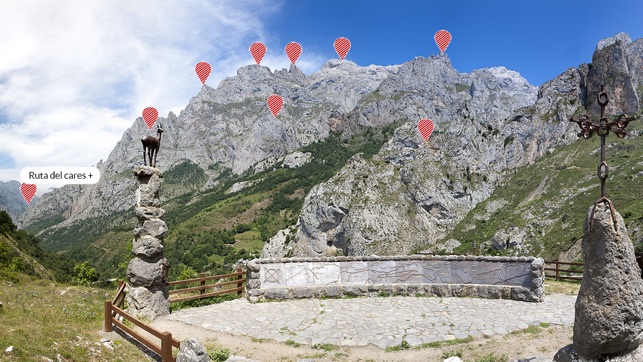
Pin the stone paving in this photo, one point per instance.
(383, 321)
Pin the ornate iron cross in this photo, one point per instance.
(602, 128)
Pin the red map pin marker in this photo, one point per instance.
(342, 46)
(275, 102)
(425, 126)
(293, 50)
(442, 39)
(150, 114)
(28, 191)
(203, 70)
(258, 50)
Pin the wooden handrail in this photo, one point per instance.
(167, 342)
(206, 295)
(558, 270)
(120, 293)
(202, 287)
(563, 263)
(195, 280)
(116, 307)
(119, 298)
(565, 270)
(149, 329)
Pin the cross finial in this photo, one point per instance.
(602, 128)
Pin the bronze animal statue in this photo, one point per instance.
(151, 145)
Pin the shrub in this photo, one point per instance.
(84, 274)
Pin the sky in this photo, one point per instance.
(75, 75)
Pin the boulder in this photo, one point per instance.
(147, 302)
(142, 273)
(148, 213)
(147, 194)
(192, 351)
(568, 354)
(453, 359)
(504, 239)
(234, 358)
(148, 247)
(155, 228)
(609, 307)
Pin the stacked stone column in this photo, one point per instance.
(147, 272)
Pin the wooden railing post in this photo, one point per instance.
(557, 270)
(240, 282)
(121, 302)
(166, 347)
(202, 275)
(108, 316)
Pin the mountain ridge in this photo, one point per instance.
(11, 199)
(489, 122)
(361, 217)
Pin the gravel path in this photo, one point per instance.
(382, 322)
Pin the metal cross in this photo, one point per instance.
(602, 128)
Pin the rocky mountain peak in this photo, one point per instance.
(225, 127)
(616, 67)
(487, 122)
(622, 38)
(293, 74)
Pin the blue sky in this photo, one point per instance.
(71, 84)
(539, 39)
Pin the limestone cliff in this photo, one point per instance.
(229, 127)
(488, 123)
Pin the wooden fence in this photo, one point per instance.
(221, 288)
(167, 342)
(115, 308)
(563, 273)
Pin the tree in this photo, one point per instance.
(6, 224)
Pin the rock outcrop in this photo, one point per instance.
(609, 309)
(567, 354)
(296, 159)
(147, 272)
(192, 351)
(412, 192)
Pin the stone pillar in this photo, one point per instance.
(609, 308)
(147, 272)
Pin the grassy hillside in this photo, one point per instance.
(550, 198)
(20, 253)
(43, 320)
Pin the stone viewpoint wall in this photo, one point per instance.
(518, 278)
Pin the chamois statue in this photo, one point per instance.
(152, 145)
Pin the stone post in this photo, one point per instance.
(609, 309)
(147, 272)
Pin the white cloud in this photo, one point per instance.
(74, 75)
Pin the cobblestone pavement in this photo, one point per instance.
(383, 322)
